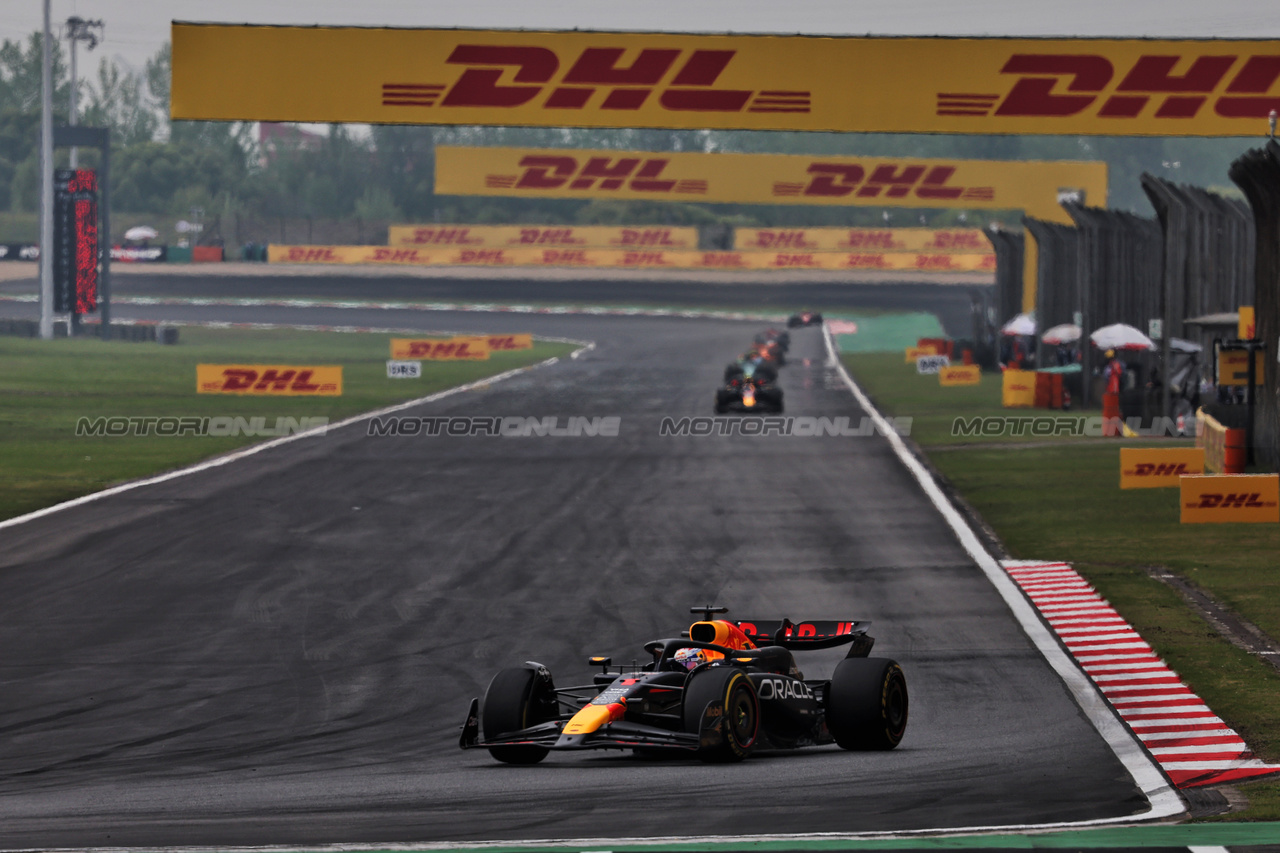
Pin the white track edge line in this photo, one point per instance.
(1165, 801)
(277, 442)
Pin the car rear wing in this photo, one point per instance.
(808, 635)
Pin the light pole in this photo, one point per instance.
(46, 182)
(79, 30)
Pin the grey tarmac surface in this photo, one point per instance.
(280, 651)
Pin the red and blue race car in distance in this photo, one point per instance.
(720, 692)
(804, 318)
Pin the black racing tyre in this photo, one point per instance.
(516, 699)
(867, 704)
(731, 687)
(794, 321)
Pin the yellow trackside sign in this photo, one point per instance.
(928, 240)
(1230, 497)
(464, 348)
(914, 353)
(269, 380)
(1246, 326)
(960, 374)
(1113, 87)
(501, 343)
(1158, 467)
(542, 236)
(1018, 389)
(1233, 366)
(1031, 185)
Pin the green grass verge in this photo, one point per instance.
(1062, 501)
(47, 386)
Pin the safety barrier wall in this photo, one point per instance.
(1224, 448)
(539, 236)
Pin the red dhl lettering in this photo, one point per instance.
(440, 349)
(502, 342)
(548, 172)
(244, 379)
(1164, 469)
(397, 255)
(553, 236)
(870, 240)
(1175, 87)
(771, 239)
(934, 262)
(783, 259)
(510, 76)
(311, 254)
(648, 237)
(555, 256)
(950, 240)
(482, 256)
(723, 259)
(862, 261)
(444, 237)
(1231, 500)
(643, 259)
(895, 180)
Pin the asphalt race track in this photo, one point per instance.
(281, 650)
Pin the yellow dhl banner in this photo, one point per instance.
(960, 374)
(1030, 185)
(1158, 467)
(1233, 366)
(635, 258)
(1246, 325)
(1251, 498)
(537, 236)
(970, 241)
(1018, 389)
(287, 380)
(913, 353)
(1122, 87)
(462, 348)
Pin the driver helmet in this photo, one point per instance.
(690, 658)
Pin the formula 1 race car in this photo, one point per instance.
(749, 386)
(783, 339)
(720, 692)
(804, 318)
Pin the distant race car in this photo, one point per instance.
(804, 318)
(749, 386)
(722, 691)
(782, 338)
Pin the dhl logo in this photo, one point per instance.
(443, 237)
(871, 240)
(544, 236)
(510, 342)
(636, 174)
(385, 255)
(1062, 85)
(724, 260)
(1230, 500)
(450, 350)
(482, 256)
(893, 179)
(645, 259)
(574, 257)
(312, 255)
(765, 238)
(268, 380)
(1164, 469)
(950, 241)
(864, 260)
(510, 76)
(792, 260)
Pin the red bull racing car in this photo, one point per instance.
(751, 387)
(720, 692)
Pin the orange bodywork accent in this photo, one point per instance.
(726, 634)
(592, 717)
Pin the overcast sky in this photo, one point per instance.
(135, 29)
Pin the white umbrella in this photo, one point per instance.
(1180, 345)
(141, 232)
(1023, 324)
(1121, 336)
(1067, 333)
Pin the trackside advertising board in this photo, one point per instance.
(931, 240)
(539, 236)
(960, 374)
(1158, 467)
(1221, 498)
(469, 348)
(1114, 87)
(1030, 185)
(269, 380)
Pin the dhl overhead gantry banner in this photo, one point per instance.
(1030, 185)
(1122, 87)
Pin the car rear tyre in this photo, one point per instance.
(516, 699)
(741, 721)
(867, 704)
